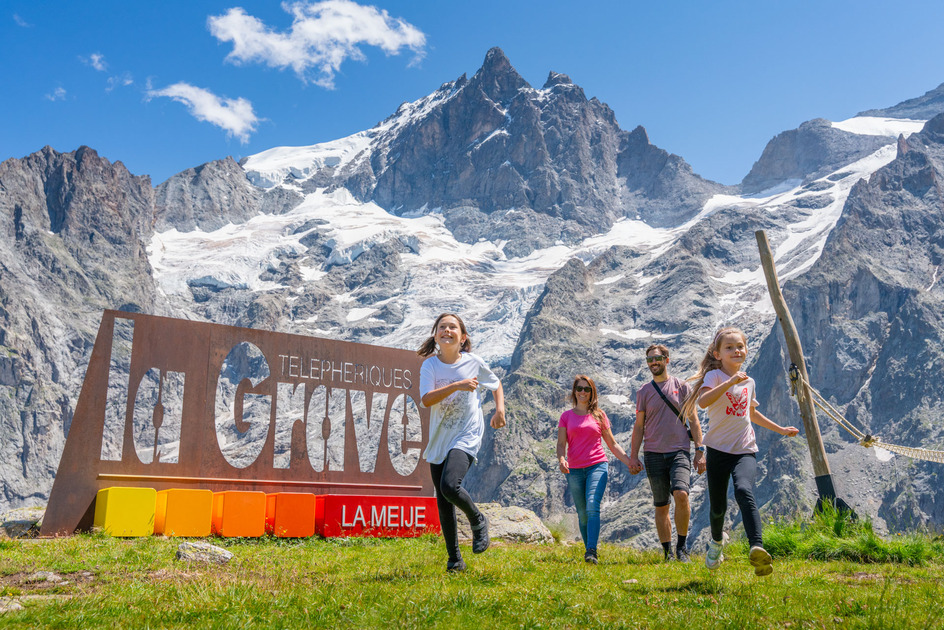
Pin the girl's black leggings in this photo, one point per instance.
(743, 469)
(447, 478)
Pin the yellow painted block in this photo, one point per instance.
(183, 512)
(126, 511)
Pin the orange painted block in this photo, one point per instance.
(125, 511)
(239, 513)
(290, 514)
(183, 512)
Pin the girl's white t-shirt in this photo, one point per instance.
(729, 417)
(457, 421)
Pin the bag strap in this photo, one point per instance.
(668, 402)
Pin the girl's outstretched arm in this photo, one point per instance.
(498, 419)
(763, 421)
(708, 395)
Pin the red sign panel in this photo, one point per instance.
(350, 515)
(170, 403)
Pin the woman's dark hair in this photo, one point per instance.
(429, 346)
(593, 404)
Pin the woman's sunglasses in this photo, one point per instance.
(581, 388)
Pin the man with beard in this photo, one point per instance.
(668, 460)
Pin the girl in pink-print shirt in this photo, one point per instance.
(580, 436)
(727, 393)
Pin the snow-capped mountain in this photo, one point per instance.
(567, 244)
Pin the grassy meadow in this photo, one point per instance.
(826, 575)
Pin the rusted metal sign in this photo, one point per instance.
(170, 403)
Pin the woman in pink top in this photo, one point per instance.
(581, 457)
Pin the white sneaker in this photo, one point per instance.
(761, 561)
(714, 557)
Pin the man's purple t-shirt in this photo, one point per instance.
(663, 431)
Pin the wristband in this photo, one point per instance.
(701, 449)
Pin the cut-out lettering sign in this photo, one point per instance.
(170, 403)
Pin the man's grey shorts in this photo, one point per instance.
(667, 473)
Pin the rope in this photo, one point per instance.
(865, 439)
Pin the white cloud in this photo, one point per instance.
(322, 36)
(21, 22)
(96, 60)
(59, 94)
(233, 115)
(122, 80)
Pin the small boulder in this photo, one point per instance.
(21, 522)
(8, 604)
(203, 552)
(510, 524)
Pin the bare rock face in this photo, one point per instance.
(812, 150)
(213, 195)
(73, 236)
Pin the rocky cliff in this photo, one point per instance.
(72, 243)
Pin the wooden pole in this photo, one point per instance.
(814, 439)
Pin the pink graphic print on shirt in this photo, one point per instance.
(740, 405)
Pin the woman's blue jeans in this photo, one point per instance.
(586, 487)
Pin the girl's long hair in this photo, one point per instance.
(593, 405)
(429, 346)
(708, 363)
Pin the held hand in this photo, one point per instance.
(790, 431)
(700, 464)
(635, 466)
(498, 420)
(562, 463)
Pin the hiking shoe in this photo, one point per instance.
(456, 567)
(714, 557)
(681, 554)
(668, 557)
(480, 539)
(761, 561)
(590, 556)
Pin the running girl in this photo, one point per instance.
(728, 395)
(450, 382)
(581, 457)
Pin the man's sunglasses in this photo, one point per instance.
(581, 388)
(654, 358)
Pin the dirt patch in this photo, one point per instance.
(44, 581)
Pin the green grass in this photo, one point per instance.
(833, 535)
(369, 583)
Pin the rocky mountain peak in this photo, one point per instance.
(497, 78)
(556, 78)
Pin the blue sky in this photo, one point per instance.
(164, 86)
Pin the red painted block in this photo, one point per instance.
(239, 513)
(290, 514)
(339, 515)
